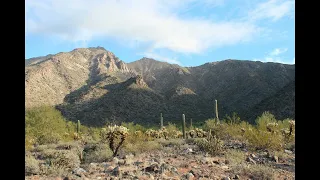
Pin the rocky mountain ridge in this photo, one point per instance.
(95, 86)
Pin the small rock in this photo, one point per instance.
(116, 171)
(226, 161)
(250, 160)
(236, 177)
(189, 176)
(79, 171)
(226, 178)
(224, 167)
(275, 158)
(253, 156)
(288, 151)
(264, 154)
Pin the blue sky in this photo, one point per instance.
(185, 32)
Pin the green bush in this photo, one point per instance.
(263, 120)
(172, 129)
(234, 119)
(264, 139)
(45, 125)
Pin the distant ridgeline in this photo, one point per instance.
(94, 86)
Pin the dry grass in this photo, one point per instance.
(235, 157)
(97, 153)
(257, 171)
(142, 146)
(31, 165)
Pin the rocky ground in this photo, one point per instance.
(187, 161)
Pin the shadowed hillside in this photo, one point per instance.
(94, 86)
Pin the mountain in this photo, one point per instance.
(95, 86)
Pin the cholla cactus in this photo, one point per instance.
(111, 133)
(200, 132)
(138, 133)
(76, 136)
(292, 126)
(192, 133)
(271, 127)
(177, 134)
(164, 133)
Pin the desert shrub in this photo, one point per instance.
(255, 171)
(31, 165)
(268, 133)
(234, 119)
(94, 133)
(74, 146)
(264, 140)
(212, 145)
(97, 153)
(265, 119)
(45, 124)
(29, 141)
(48, 138)
(172, 130)
(61, 158)
(141, 146)
(210, 124)
(133, 127)
(217, 129)
(235, 156)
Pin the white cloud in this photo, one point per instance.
(161, 58)
(273, 56)
(273, 9)
(152, 22)
(278, 51)
(276, 60)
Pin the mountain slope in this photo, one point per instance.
(50, 80)
(94, 86)
(282, 104)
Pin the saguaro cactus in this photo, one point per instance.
(191, 123)
(78, 127)
(184, 126)
(216, 111)
(161, 121)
